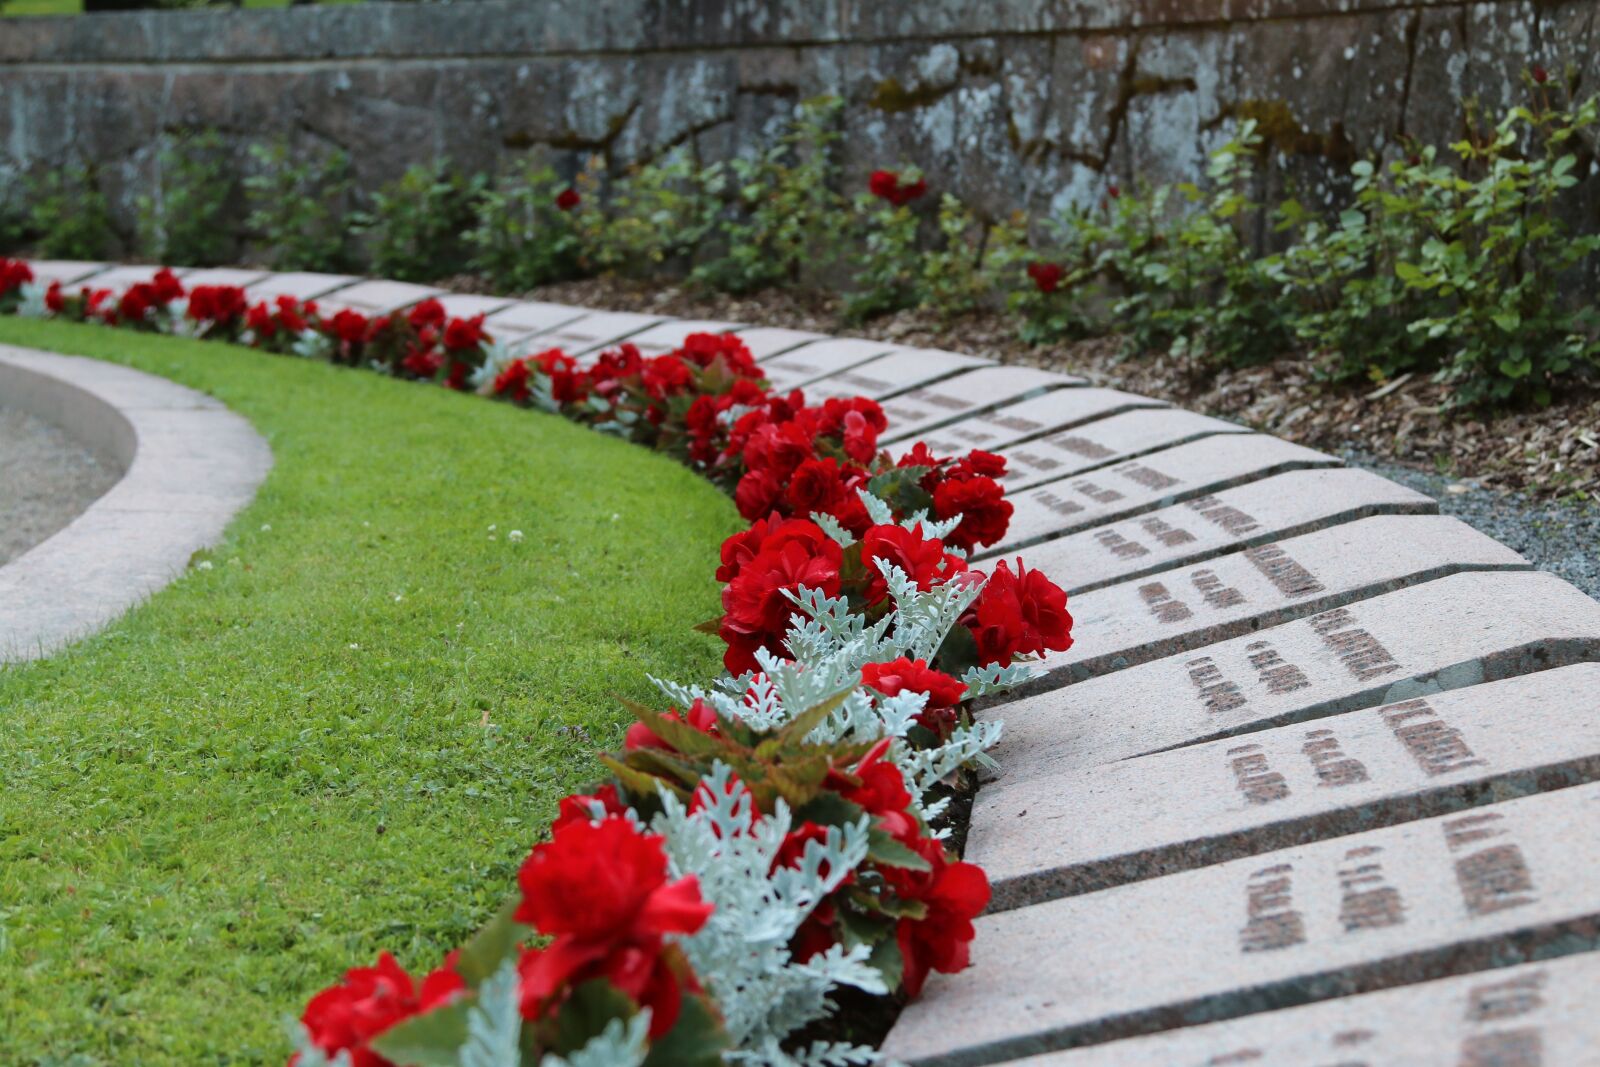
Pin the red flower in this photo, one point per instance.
(1046, 276)
(953, 894)
(1018, 614)
(757, 493)
(427, 313)
(1114, 190)
(816, 485)
(220, 304)
(704, 349)
(579, 806)
(923, 559)
(424, 363)
(981, 503)
(876, 785)
(888, 185)
(14, 274)
(369, 1001)
(54, 302)
(915, 676)
(512, 381)
(164, 287)
(774, 532)
(349, 327)
(601, 890)
(665, 376)
(701, 716)
(755, 608)
(568, 199)
(1540, 75)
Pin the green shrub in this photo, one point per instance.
(655, 215)
(953, 280)
(297, 209)
(523, 237)
(415, 227)
(68, 216)
(786, 213)
(1050, 287)
(13, 216)
(185, 218)
(887, 263)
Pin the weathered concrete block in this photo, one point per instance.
(1128, 820)
(1100, 444)
(1275, 508)
(1461, 630)
(1155, 481)
(1504, 884)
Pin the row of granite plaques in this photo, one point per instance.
(1319, 782)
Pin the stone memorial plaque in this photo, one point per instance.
(586, 337)
(120, 279)
(528, 317)
(1458, 631)
(898, 372)
(798, 367)
(912, 413)
(1533, 1015)
(1170, 476)
(1430, 899)
(466, 305)
(297, 285)
(764, 342)
(374, 297)
(1190, 607)
(1102, 443)
(223, 276)
(1132, 819)
(1055, 410)
(69, 272)
(1284, 505)
(659, 340)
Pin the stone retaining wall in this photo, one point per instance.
(1008, 103)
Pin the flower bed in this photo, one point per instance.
(774, 835)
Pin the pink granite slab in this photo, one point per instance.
(586, 337)
(663, 338)
(1461, 630)
(298, 285)
(1534, 1015)
(1103, 443)
(1190, 607)
(1060, 835)
(1055, 410)
(797, 367)
(69, 272)
(764, 342)
(1158, 480)
(120, 278)
(374, 297)
(230, 276)
(895, 373)
(466, 305)
(919, 410)
(526, 318)
(1404, 904)
(1284, 505)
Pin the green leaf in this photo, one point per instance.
(490, 946)
(795, 730)
(887, 960)
(696, 1040)
(430, 1040)
(885, 849)
(585, 1013)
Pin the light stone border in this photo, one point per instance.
(189, 465)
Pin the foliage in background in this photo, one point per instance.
(186, 217)
(786, 211)
(67, 214)
(414, 228)
(650, 218)
(297, 208)
(523, 235)
(887, 262)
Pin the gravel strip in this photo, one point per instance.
(1559, 537)
(46, 480)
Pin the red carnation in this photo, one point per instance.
(164, 287)
(915, 676)
(755, 606)
(1018, 614)
(425, 314)
(980, 501)
(369, 1001)
(757, 493)
(465, 334)
(923, 559)
(580, 806)
(952, 894)
(568, 199)
(1046, 276)
(888, 185)
(349, 327)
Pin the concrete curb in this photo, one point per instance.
(189, 466)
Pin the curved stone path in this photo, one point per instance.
(1320, 780)
(188, 466)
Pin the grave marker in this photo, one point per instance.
(374, 297)
(297, 285)
(1441, 635)
(1055, 410)
(528, 317)
(921, 409)
(120, 279)
(466, 305)
(587, 336)
(1532, 1015)
(897, 372)
(764, 342)
(223, 276)
(1284, 505)
(1404, 904)
(797, 367)
(1100, 444)
(1154, 481)
(663, 338)
(1188, 807)
(69, 272)
(1249, 590)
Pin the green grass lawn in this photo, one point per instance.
(345, 735)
